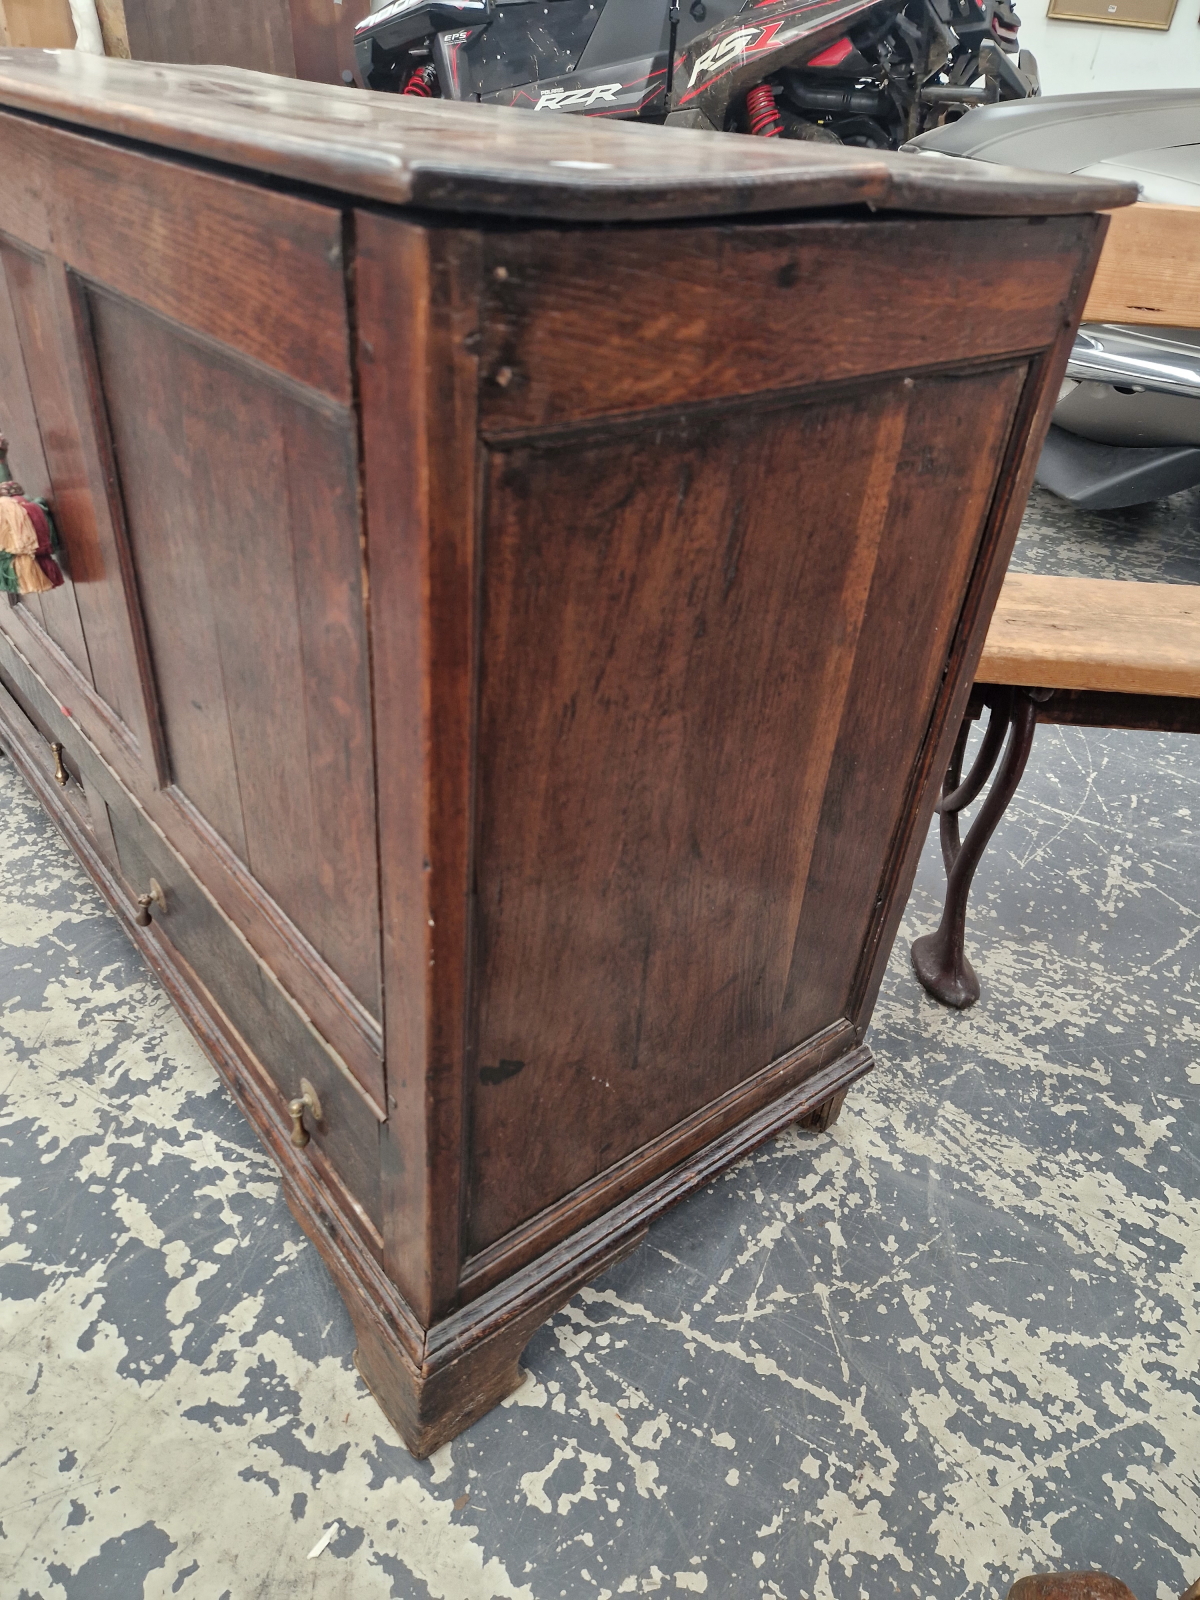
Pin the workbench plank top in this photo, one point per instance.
(1095, 633)
(465, 157)
(1150, 270)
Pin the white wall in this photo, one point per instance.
(1075, 57)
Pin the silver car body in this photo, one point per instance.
(1127, 426)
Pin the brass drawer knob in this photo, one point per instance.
(61, 776)
(309, 1102)
(156, 897)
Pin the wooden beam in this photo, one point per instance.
(112, 26)
(1095, 634)
(1149, 271)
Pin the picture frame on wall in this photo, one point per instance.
(1155, 14)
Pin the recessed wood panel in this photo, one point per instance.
(29, 353)
(19, 425)
(18, 416)
(939, 506)
(669, 633)
(240, 494)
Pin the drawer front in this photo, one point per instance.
(56, 760)
(274, 1038)
(279, 1042)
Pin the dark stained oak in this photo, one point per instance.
(646, 822)
(942, 498)
(509, 660)
(250, 594)
(323, 38)
(89, 622)
(490, 159)
(415, 289)
(195, 246)
(306, 38)
(542, 362)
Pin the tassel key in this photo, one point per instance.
(27, 564)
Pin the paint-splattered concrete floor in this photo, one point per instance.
(954, 1340)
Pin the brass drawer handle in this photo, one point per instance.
(309, 1102)
(156, 897)
(61, 776)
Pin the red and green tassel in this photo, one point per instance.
(28, 538)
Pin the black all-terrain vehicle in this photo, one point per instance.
(861, 72)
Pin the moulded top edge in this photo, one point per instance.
(493, 159)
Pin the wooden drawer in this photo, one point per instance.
(187, 924)
(56, 757)
(348, 1133)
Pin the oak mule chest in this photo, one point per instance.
(523, 580)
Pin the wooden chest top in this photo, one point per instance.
(446, 156)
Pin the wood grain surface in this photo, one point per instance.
(251, 599)
(894, 690)
(417, 304)
(461, 157)
(1095, 633)
(1149, 271)
(547, 292)
(85, 625)
(194, 246)
(645, 936)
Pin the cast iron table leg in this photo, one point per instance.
(940, 958)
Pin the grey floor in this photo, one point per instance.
(955, 1340)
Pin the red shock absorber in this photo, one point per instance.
(760, 109)
(423, 82)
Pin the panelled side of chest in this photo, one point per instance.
(663, 663)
